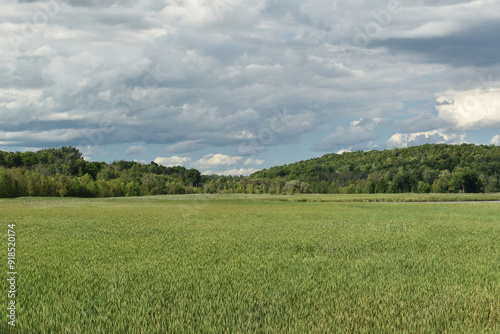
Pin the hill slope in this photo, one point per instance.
(436, 168)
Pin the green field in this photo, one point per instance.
(254, 264)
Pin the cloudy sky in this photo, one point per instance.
(233, 86)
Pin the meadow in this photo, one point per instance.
(254, 264)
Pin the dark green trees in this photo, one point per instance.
(464, 179)
(64, 172)
(428, 168)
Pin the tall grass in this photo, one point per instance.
(253, 264)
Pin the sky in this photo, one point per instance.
(231, 86)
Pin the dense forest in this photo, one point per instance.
(435, 168)
(427, 168)
(64, 172)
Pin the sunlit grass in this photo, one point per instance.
(222, 264)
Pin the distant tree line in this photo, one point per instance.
(422, 169)
(64, 172)
(428, 168)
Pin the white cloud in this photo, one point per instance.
(495, 140)
(172, 161)
(420, 138)
(92, 151)
(198, 13)
(44, 51)
(211, 160)
(235, 172)
(473, 109)
(397, 140)
(190, 12)
(135, 150)
(344, 150)
(253, 162)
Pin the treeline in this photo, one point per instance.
(428, 168)
(64, 172)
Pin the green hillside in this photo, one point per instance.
(426, 168)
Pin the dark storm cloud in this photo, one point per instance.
(477, 46)
(255, 75)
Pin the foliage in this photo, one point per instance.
(438, 168)
(421, 169)
(64, 172)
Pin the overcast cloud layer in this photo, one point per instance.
(233, 86)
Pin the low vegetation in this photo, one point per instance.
(254, 263)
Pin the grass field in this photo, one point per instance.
(253, 264)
